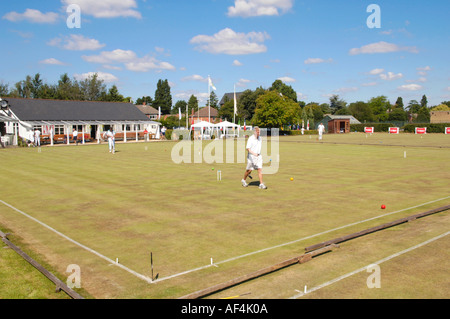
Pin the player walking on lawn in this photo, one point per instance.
(254, 158)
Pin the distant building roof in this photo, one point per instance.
(147, 109)
(352, 119)
(58, 110)
(230, 97)
(203, 112)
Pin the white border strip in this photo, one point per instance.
(301, 294)
(149, 280)
(296, 241)
(78, 244)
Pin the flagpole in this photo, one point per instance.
(209, 100)
(234, 111)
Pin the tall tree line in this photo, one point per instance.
(90, 89)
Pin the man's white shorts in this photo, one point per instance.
(254, 162)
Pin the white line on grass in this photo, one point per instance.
(296, 241)
(78, 244)
(210, 265)
(301, 294)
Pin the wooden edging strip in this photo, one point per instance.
(301, 259)
(59, 284)
(376, 228)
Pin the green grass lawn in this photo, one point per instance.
(138, 202)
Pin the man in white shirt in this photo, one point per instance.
(37, 137)
(75, 136)
(254, 158)
(321, 129)
(111, 136)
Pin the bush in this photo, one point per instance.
(378, 127)
(431, 128)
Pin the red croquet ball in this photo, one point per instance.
(383, 206)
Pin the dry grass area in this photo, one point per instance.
(94, 207)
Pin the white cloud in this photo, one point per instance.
(369, 84)
(301, 96)
(115, 56)
(148, 63)
(376, 71)
(130, 60)
(410, 87)
(317, 60)
(423, 71)
(106, 77)
(33, 16)
(254, 8)
(381, 47)
(242, 83)
(237, 63)
(346, 90)
(390, 76)
(52, 61)
(76, 42)
(287, 79)
(107, 8)
(194, 77)
(230, 42)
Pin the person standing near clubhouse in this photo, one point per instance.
(321, 129)
(75, 136)
(254, 158)
(111, 136)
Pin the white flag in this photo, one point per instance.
(179, 113)
(235, 101)
(211, 84)
(159, 112)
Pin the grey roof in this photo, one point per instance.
(230, 97)
(57, 110)
(352, 119)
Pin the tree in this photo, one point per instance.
(284, 89)
(274, 111)
(312, 111)
(398, 114)
(413, 107)
(361, 111)
(192, 104)
(93, 88)
(424, 101)
(213, 100)
(4, 90)
(180, 105)
(336, 104)
(247, 103)
(399, 103)
(227, 110)
(379, 106)
(441, 107)
(423, 115)
(113, 95)
(163, 98)
(145, 99)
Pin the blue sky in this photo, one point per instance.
(318, 47)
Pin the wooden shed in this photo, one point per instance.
(339, 126)
(339, 123)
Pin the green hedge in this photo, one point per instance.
(408, 128)
(378, 127)
(431, 128)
